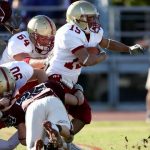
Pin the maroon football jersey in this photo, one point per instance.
(42, 90)
(14, 116)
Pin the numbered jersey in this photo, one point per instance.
(19, 43)
(21, 71)
(69, 38)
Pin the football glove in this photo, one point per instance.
(78, 87)
(136, 50)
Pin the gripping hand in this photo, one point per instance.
(136, 50)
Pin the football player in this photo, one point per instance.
(33, 45)
(81, 31)
(44, 100)
(13, 76)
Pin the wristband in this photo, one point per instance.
(108, 44)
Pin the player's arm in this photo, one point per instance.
(77, 98)
(87, 59)
(11, 143)
(22, 133)
(35, 63)
(114, 45)
(120, 47)
(39, 75)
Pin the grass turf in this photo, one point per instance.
(108, 135)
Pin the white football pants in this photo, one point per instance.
(49, 108)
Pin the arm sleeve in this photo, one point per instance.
(11, 143)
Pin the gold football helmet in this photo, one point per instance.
(84, 15)
(41, 31)
(7, 82)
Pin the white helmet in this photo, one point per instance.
(7, 82)
(41, 31)
(84, 15)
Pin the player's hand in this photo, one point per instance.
(102, 56)
(80, 97)
(79, 93)
(136, 50)
(78, 87)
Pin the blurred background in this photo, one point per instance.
(120, 81)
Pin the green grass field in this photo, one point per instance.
(108, 135)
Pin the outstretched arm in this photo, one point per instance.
(120, 47)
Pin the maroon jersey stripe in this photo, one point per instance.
(49, 24)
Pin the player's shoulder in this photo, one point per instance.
(25, 69)
(20, 39)
(23, 65)
(96, 36)
(20, 35)
(70, 30)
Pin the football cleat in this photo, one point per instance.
(55, 140)
(39, 145)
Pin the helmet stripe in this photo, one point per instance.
(7, 81)
(50, 24)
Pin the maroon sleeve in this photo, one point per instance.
(2, 125)
(29, 85)
(57, 88)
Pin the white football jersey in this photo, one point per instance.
(67, 40)
(21, 71)
(19, 43)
